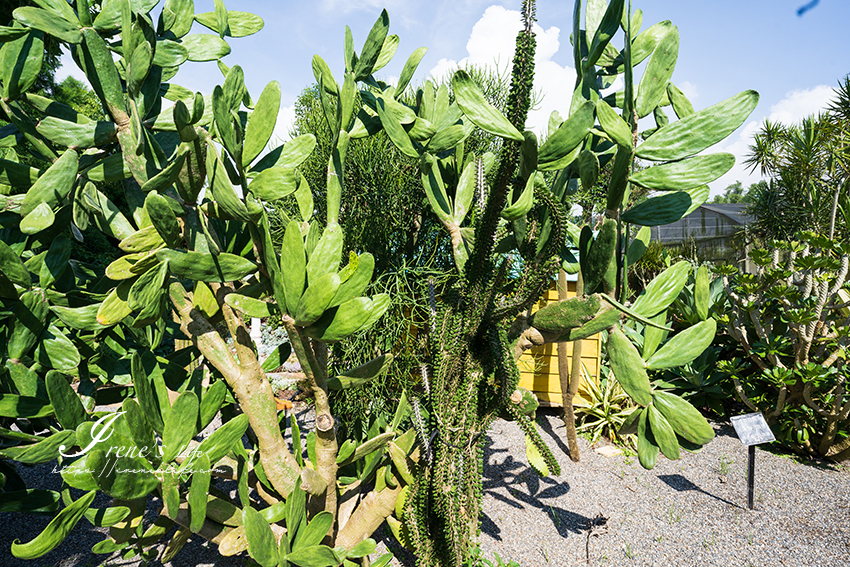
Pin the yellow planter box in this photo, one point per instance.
(539, 365)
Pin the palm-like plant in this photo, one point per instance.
(809, 170)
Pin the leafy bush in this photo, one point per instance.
(791, 321)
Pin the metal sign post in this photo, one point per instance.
(751, 474)
(752, 430)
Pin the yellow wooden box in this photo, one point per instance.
(539, 366)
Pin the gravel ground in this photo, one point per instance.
(610, 511)
(601, 511)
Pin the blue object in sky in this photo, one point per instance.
(803, 9)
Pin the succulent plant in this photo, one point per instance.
(502, 218)
(197, 249)
(790, 319)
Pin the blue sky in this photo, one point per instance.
(726, 46)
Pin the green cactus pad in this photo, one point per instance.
(647, 448)
(684, 347)
(566, 314)
(685, 174)
(696, 132)
(206, 267)
(685, 419)
(629, 367)
(663, 433)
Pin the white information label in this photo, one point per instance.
(752, 429)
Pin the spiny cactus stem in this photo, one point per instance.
(480, 187)
(528, 10)
(474, 436)
(518, 103)
(427, 443)
(486, 229)
(426, 381)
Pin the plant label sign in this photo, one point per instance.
(752, 429)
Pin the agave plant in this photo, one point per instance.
(604, 408)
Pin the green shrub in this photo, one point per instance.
(790, 319)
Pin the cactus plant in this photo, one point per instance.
(481, 325)
(193, 227)
(195, 247)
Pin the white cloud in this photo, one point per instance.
(792, 109)
(492, 43)
(689, 90)
(801, 103)
(442, 69)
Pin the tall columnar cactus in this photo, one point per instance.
(194, 248)
(504, 220)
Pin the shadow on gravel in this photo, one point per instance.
(680, 484)
(546, 426)
(722, 429)
(403, 557)
(511, 476)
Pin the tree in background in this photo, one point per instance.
(78, 96)
(735, 193)
(592, 200)
(808, 170)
